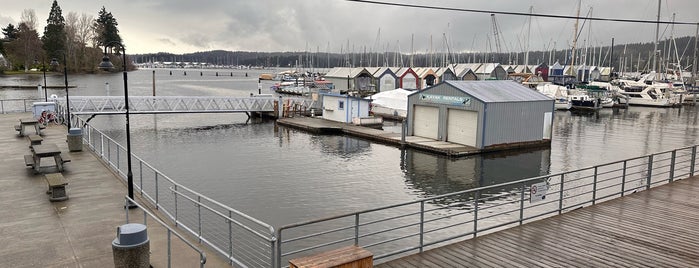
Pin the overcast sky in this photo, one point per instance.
(182, 26)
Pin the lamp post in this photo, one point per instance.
(106, 64)
(54, 62)
(43, 68)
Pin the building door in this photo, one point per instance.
(462, 127)
(426, 122)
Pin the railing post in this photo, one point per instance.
(623, 179)
(140, 176)
(199, 216)
(118, 161)
(109, 153)
(2, 106)
(521, 204)
(650, 171)
(102, 146)
(278, 261)
(169, 249)
(272, 246)
(356, 229)
(694, 158)
(230, 238)
(126, 209)
(157, 202)
(560, 196)
(175, 193)
(422, 224)
(594, 187)
(476, 197)
(672, 165)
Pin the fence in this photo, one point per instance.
(245, 241)
(392, 231)
(16, 105)
(146, 214)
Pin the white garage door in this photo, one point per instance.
(462, 127)
(426, 122)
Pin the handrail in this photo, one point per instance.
(567, 190)
(4, 109)
(130, 202)
(151, 182)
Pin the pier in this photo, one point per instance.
(654, 228)
(77, 232)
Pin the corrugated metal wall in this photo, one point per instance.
(506, 122)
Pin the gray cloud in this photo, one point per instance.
(281, 25)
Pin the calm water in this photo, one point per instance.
(282, 175)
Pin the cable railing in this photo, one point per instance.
(397, 230)
(245, 241)
(170, 232)
(16, 105)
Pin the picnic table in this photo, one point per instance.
(42, 151)
(27, 122)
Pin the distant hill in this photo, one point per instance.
(634, 55)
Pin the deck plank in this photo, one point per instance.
(650, 228)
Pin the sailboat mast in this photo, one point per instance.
(694, 63)
(575, 39)
(529, 28)
(655, 48)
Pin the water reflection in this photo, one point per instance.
(433, 175)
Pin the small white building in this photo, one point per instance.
(344, 108)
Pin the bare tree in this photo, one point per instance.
(28, 17)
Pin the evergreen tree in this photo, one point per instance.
(10, 32)
(54, 38)
(106, 29)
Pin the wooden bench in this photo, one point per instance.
(65, 158)
(346, 257)
(57, 187)
(29, 160)
(41, 126)
(34, 140)
(18, 128)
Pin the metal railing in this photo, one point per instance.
(245, 241)
(130, 202)
(392, 231)
(16, 105)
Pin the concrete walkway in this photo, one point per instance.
(77, 232)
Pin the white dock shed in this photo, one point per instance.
(487, 115)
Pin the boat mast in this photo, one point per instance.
(575, 40)
(694, 63)
(655, 48)
(529, 27)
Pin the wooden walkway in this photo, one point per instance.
(77, 232)
(654, 228)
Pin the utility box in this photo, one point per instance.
(75, 139)
(39, 107)
(131, 247)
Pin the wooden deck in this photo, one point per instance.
(654, 228)
(77, 232)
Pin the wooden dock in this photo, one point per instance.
(321, 126)
(77, 232)
(653, 228)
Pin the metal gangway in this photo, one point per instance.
(94, 105)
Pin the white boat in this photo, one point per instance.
(649, 96)
(556, 92)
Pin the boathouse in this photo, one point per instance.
(445, 73)
(385, 79)
(465, 71)
(350, 79)
(491, 71)
(344, 108)
(408, 79)
(487, 115)
(427, 77)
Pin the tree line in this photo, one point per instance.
(77, 38)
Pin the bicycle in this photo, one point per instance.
(50, 116)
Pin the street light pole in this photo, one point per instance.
(105, 65)
(65, 76)
(43, 67)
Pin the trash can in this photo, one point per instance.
(131, 247)
(75, 139)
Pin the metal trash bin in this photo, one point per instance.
(75, 139)
(131, 247)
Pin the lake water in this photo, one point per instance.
(282, 175)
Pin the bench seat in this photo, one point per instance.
(57, 187)
(18, 128)
(29, 160)
(351, 256)
(41, 126)
(34, 140)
